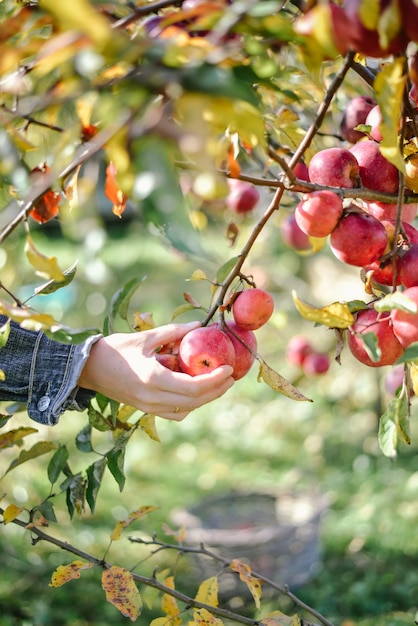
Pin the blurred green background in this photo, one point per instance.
(250, 439)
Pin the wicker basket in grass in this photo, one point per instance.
(277, 535)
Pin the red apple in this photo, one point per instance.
(375, 171)
(301, 171)
(204, 349)
(240, 339)
(367, 41)
(243, 196)
(355, 113)
(327, 25)
(252, 308)
(413, 69)
(359, 239)
(336, 167)
(315, 364)
(369, 321)
(407, 236)
(382, 272)
(374, 119)
(408, 267)
(409, 13)
(319, 212)
(405, 324)
(298, 349)
(383, 211)
(170, 361)
(292, 235)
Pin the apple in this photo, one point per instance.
(243, 196)
(336, 167)
(204, 349)
(318, 213)
(408, 234)
(413, 69)
(367, 41)
(408, 267)
(327, 25)
(394, 379)
(240, 338)
(413, 96)
(170, 361)
(375, 171)
(358, 239)
(409, 14)
(355, 113)
(292, 234)
(370, 321)
(301, 172)
(315, 364)
(298, 349)
(382, 271)
(374, 119)
(252, 308)
(384, 211)
(405, 324)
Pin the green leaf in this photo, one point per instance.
(13, 437)
(396, 300)
(47, 510)
(394, 425)
(4, 333)
(97, 420)
(75, 496)
(122, 298)
(214, 80)
(53, 285)
(57, 463)
(83, 439)
(225, 270)
(410, 354)
(371, 345)
(185, 308)
(40, 448)
(116, 459)
(94, 480)
(66, 335)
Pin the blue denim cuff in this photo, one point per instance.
(54, 372)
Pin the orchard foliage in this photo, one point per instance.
(196, 111)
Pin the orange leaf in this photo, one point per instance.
(65, 573)
(233, 165)
(47, 206)
(122, 592)
(113, 192)
(253, 583)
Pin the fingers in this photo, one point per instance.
(166, 334)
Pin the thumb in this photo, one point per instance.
(166, 334)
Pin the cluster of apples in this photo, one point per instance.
(301, 353)
(231, 342)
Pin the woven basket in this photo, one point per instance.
(276, 534)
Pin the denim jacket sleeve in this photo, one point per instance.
(43, 373)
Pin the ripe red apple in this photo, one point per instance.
(315, 364)
(358, 239)
(367, 41)
(405, 324)
(382, 271)
(292, 235)
(298, 349)
(383, 211)
(243, 196)
(244, 356)
(369, 321)
(407, 236)
(336, 167)
(409, 14)
(252, 308)
(204, 349)
(374, 119)
(170, 361)
(327, 25)
(318, 213)
(408, 267)
(375, 171)
(355, 113)
(301, 171)
(413, 96)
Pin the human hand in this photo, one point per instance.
(123, 367)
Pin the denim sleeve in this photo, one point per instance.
(43, 373)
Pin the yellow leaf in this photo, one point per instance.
(80, 16)
(117, 531)
(143, 321)
(202, 617)
(121, 591)
(208, 592)
(11, 513)
(198, 275)
(26, 318)
(47, 267)
(254, 584)
(169, 604)
(335, 315)
(389, 89)
(277, 618)
(277, 382)
(65, 573)
(125, 412)
(414, 377)
(390, 23)
(15, 436)
(369, 11)
(147, 424)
